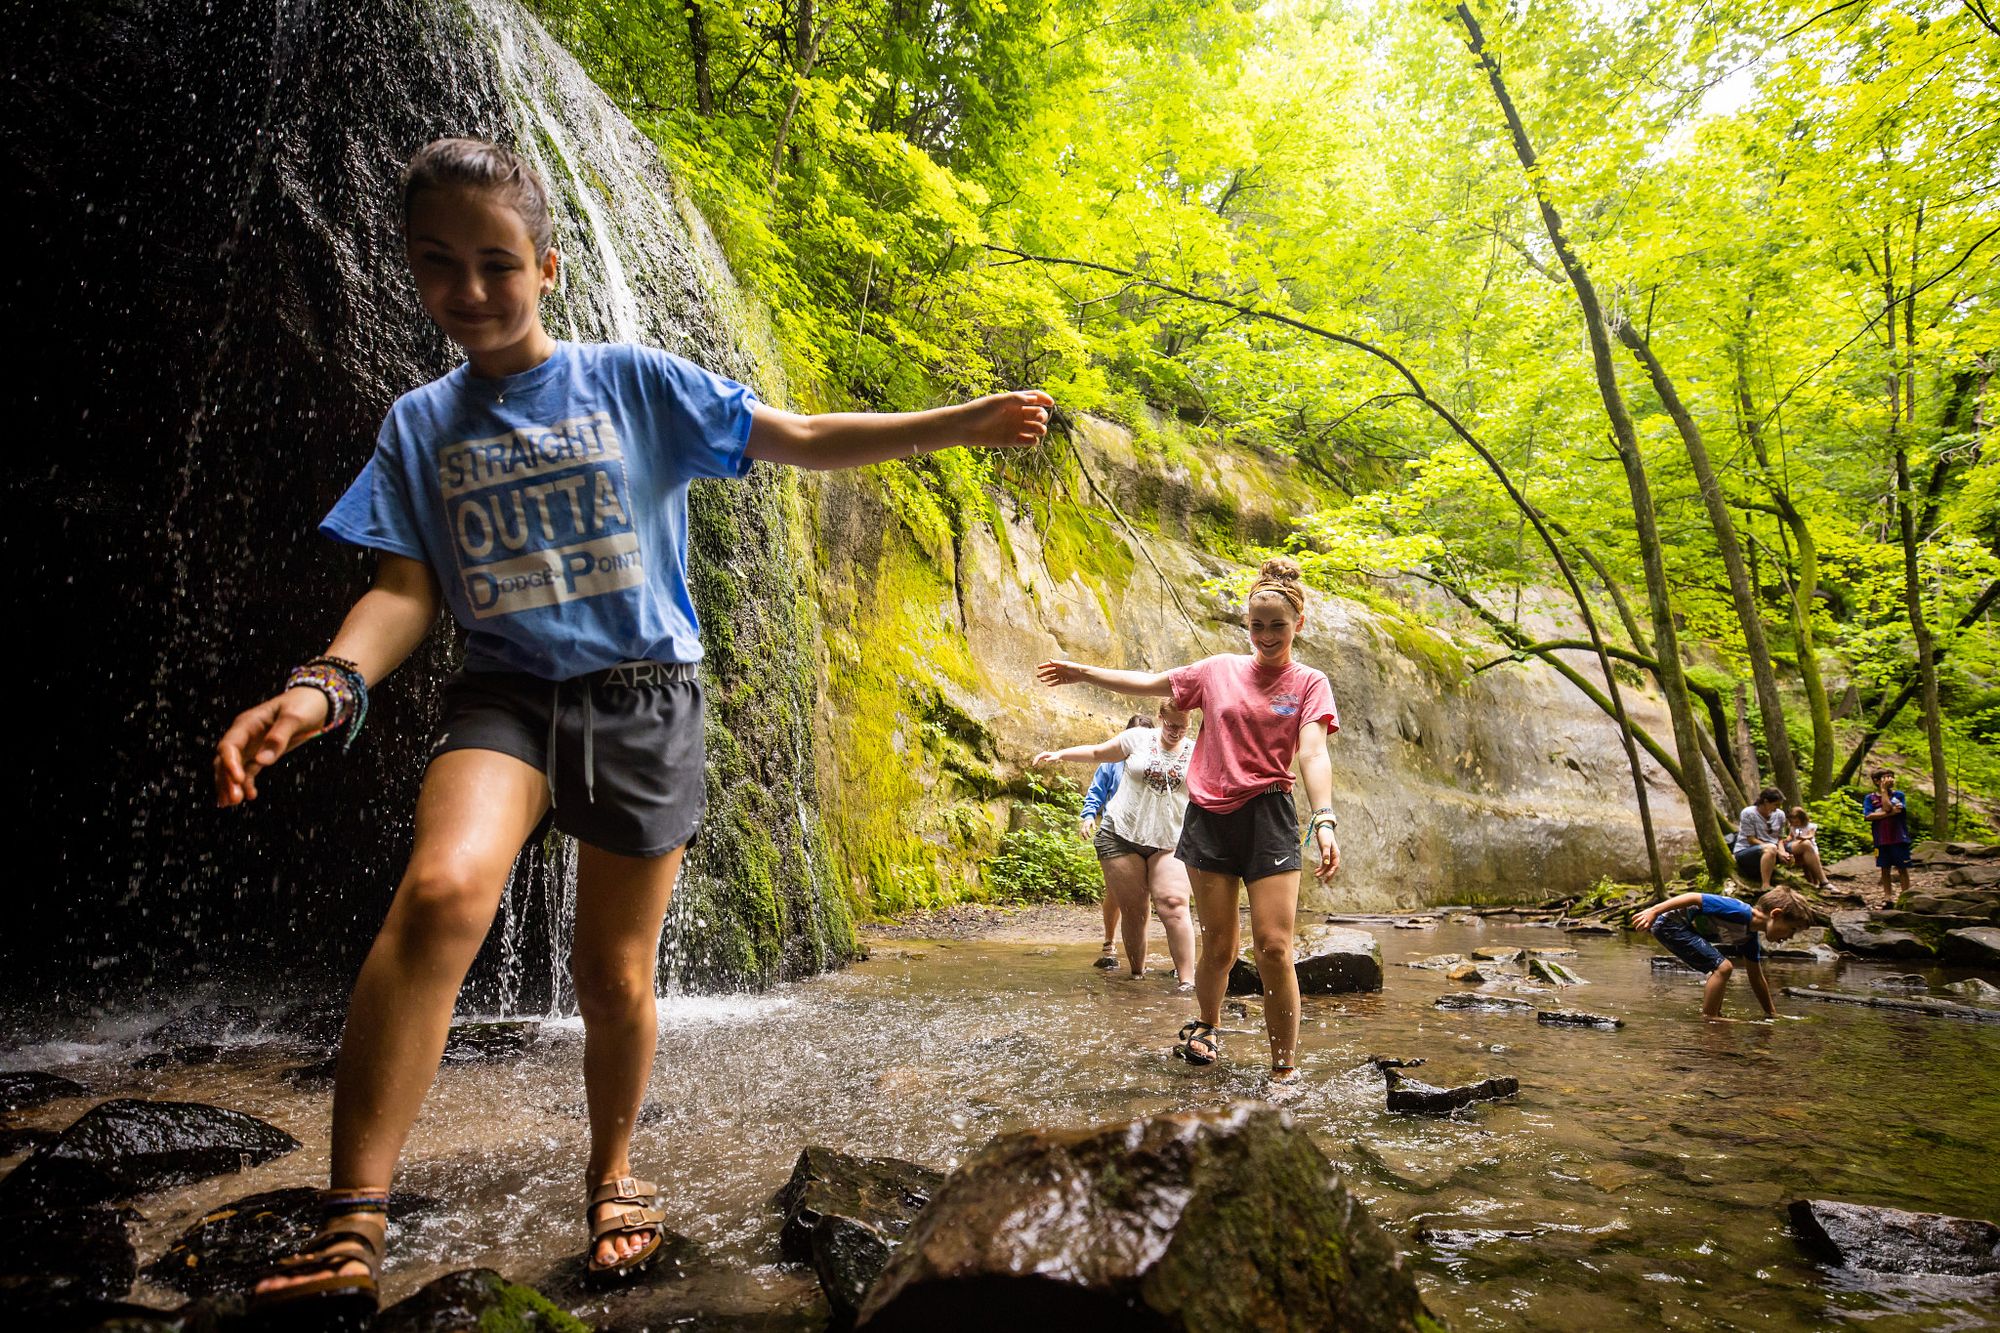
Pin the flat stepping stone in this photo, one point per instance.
(128, 1147)
(1576, 1018)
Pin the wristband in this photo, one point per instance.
(345, 689)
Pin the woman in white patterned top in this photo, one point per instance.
(1138, 832)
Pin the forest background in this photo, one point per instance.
(1682, 309)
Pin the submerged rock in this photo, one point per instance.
(1484, 1000)
(1906, 981)
(205, 1025)
(1576, 1018)
(1979, 945)
(1409, 1097)
(14, 1142)
(1806, 953)
(1889, 1240)
(63, 1255)
(1384, 1063)
(477, 1043)
(129, 1146)
(1554, 951)
(1330, 960)
(1979, 992)
(1547, 969)
(1437, 962)
(230, 1247)
(29, 1088)
(844, 1214)
(1468, 972)
(1587, 928)
(1227, 1220)
(1665, 962)
(477, 1298)
(1497, 955)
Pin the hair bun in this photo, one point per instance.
(1278, 570)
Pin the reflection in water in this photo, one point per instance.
(1640, 1178)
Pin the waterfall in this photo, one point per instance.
(223, 317)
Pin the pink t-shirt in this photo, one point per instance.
(1250, 720)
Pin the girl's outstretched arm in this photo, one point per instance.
(850, 439)
(1081, 754)
(384, 627)
(1060, 672)
(1318, 772)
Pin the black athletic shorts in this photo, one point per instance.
(1253, 841)
(622, 748)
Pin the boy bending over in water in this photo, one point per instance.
(540, 493)
(1778, 915)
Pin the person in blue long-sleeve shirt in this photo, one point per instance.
(1102, 788)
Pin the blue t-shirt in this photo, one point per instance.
(552, 504)
(1890, 829)
(1732, 918)
(1103, 786)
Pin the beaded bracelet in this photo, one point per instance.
(345, 689)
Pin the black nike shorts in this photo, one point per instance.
(1254, 841)
(622, 748)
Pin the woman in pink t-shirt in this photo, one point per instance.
(1260, 712)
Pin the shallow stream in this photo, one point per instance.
(1640, 1179)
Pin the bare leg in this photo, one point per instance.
(1215, 903)
(1125, 885)
(1167, 879)
(1768, 864)
(1111, 906)
(1808, 858)
(1274, 905)
(476, 809)
(1888, 899)
(1711, 992)
(621, 902)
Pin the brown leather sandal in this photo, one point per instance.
(331, 1296)
(639, 1211)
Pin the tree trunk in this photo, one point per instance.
(1666, 639)
(1770, 704)
(704, 89)
(1902, 419)
(1746, 749)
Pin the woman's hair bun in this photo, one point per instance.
(1278, 570)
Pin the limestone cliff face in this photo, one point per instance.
(1450, 785)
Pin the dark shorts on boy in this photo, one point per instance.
(622, 748)
(1257, 839)
(1109, 845)
(1750, 861)
(1676, 931)
(1890, 855)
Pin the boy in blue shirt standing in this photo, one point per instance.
(1778, 915)
(1888, 819)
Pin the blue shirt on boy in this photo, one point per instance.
(1732, 918)
(552, 504)
(1890, 829)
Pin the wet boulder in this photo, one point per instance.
(477, 1298)
(14, 1142)
(26, 1089)
(1330, 960)
(1549, 970)
(1890, 1240)
(1224, 1220)
(1409, 1097)
(1975, 990)
(130, 1146)
(230, 1247)
(1484, 1000)
(61, 1256)
(481, 1043)
(1576, 1018)
(844, 1214)
(1858, 934)
(1978, 945)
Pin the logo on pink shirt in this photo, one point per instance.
(1285, 704)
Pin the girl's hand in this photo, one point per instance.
(1044, 759)
(1087, 826)
(260, 737)
(1329, 855)
(1059, 672)
(1006, 420)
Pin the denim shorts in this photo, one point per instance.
(1677, 933)
(1750, 861)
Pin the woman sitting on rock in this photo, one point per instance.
(1260, 712)
(1138, 831)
